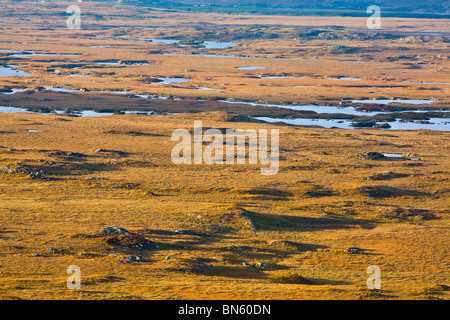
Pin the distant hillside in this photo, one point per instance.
(410, 6)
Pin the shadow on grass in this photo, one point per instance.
(67, 168)
(388, 192)
(322, 282)
(252, 273)
(275, 222)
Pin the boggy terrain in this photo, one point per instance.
(218, 57)
(102, 192)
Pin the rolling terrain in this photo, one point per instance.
(87, 178)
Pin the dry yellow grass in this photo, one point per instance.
(117, 170)
(404, 231)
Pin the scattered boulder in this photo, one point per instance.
(261, 265)
(7, 169)
(135, 259)
(19, 168)
(248, 220)
(353, 250)
(38, 175)
(115, 230)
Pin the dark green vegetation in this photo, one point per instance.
(395, 8)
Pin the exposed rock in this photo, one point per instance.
(33, 174)
(115, 230)
(353, 250)
(248, 220)
(38, 175)
(280, 242)
(135, 259)
(182, 232)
